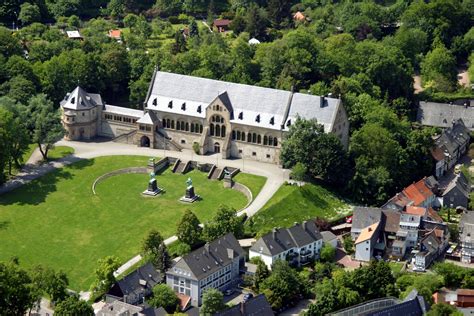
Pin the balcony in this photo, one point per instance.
(305, 253)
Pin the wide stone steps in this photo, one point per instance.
(215, 174)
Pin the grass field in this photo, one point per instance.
(253, 182)
(294, 204)
(59, 152)
(57, 221)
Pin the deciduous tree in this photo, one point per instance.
(163, 296)
(73, 306)
(155, 249)
(212, 302)
(189, 230)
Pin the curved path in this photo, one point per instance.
(275, 175)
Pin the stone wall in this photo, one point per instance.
(142, 170)
(244, 190)
(115, 129)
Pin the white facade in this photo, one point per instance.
(364, 250)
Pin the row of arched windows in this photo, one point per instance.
(217, 130)
(254, 138)
(183, 126)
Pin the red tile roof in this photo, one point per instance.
(115, 33)
(299, 16)
(184, 301)
(437, 154)
(418, 192)
(434, 215)
(416, 210)
(222, 22)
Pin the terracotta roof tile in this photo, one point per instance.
(367, 233)
(418, 192)
(416, 210)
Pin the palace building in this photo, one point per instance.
(209, 116)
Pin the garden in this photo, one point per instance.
(58, 222)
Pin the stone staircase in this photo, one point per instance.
(216, 174)
(182, 167)
(165, 142)
(127, 138)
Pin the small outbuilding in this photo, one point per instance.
(222, 25)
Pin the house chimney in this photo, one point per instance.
(322, 101)
(206, 247)
(274, 233)
(305, 225)
(230, 253)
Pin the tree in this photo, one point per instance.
(17, 294)
(104, 275)
(255, 21)
(52, 283)
(374, 281)
(179, 45)
(261, 274)
(348, 244)
(279, 12)
(322, 154)
(189, 230)
(29, 13)
(443, 309)
(163, 296)
(225, 221)
(155, 249)
(438, 69)
(116, 9)
(283, 285)
(328, 253)
(298, 172)
(9, 45)
(212, 302)
(452, 274)
(73, 306)
(46, 122)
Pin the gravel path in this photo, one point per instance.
(275, 175)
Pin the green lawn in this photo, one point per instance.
(59, 152)
(253, 182)
(57, 221)
(294, 204)
(396, 267)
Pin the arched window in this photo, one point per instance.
(249, 137)
(233, 135)
(223, 131)
(218, 130)
(164, 123)
(178, 126)
(182, 126)
(254, 138)
(200, 129)
(259, 139)
(270, 140)
(192, 127)
(275, 141)
(265, 140)
(212, 129)
(172, 124)
(187, 127)
(238, 135)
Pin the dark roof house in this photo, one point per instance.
(256, 306)
(136, 286)
(457, 192)
(442, 114)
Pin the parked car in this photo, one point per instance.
(247, 296)
(229, 292)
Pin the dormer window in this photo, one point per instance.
(257, 119)
(272, 120)
(199, 109)
(183, 106)
(241, 115)
(288, 123)
(73, 100)
(170, 104)
(155, 102)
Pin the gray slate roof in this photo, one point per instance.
(442, 114)
(467, 226)
(453, 137)
(79, 99)
(208, 259)
(283, 239)
(363, 217)
(197, 93)
(141, 281)
(256, 306)
(461, 183)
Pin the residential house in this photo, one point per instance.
(74, 35)
(443, 114)
(116, 35)
(430, 249)
(417, 194)
(118, 308)
(453, 143)
(299, 244)
(466, 226)
(329, 238)
(366, 241)
(412, 305)
(256, 306)
(363, 217)
(409, 227)
(457, 192)
(299, 16)
(463, 299)
(215, 265)
(222, 25)
(136, 286)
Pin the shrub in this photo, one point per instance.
(196, 148)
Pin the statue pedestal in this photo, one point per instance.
(190, 196)
(153, 189)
